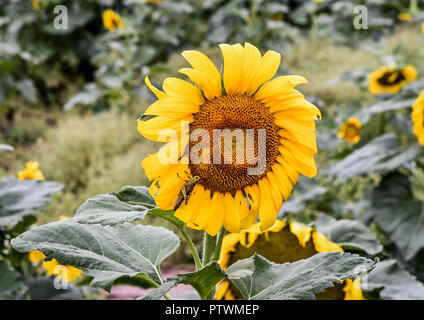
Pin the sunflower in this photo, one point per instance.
(244, 99)
(278, 16)
(36, 5)
(64, 271)
(417, 116)
(112, 20)
(31, 172)
(404, 16)
(390, 80)
(279, 244)
(350, 130)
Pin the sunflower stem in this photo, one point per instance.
(217, 252)
(209, 245)
(197, 262)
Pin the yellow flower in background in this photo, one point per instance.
(404, 16)
(36, 256)
(319, 1)
(227, 194)
(155, 1)
(351, 130)
(64, 272)
(112, 20)
(280, 244)
(422, 28)
(31, 172)
(36, 5)
(390, 80)
(53, 267)
(277, 16)
(417, 116)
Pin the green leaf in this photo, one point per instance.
(22, 198)
(393, 283)
(11, 286)
(129, 204)
(259, 279)
(203, 280)
(104, 252)
(379, 155)
(400, 215)
(349, 234)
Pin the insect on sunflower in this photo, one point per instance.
(244, 103)
(280, 244)
(390, 80)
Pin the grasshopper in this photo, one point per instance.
(185, 191)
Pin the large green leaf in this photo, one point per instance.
(349, 234)
(11, 286)
(399, 214)
(22, 198)
(379, 155)
(393, 283)
(203, 280)
(104, 252)
(129, 204)
(259, 279)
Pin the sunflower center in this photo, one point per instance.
(241, 132)
(352, 131)
(391, 78)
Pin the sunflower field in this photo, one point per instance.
(212, 150)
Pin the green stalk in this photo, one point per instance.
(190, 243)
(209, 246)
(217, 253)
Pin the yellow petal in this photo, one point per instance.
(322, 244)
(233, 67)
(171, 107)
(216, 216)
(251, 64)
(267, 69)
(161, 128)
(159, 94)
(232, 213)
(179, 88)
(353, 290)
(302, 233)
(278, 87)
(267, 210)
(204, 73)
